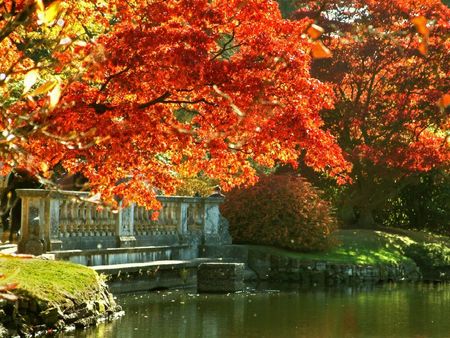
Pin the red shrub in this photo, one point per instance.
(280, 210)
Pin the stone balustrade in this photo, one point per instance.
(55, 220)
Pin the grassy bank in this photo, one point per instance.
(390, 246)
(49, 281)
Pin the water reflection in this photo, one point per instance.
(387, 311)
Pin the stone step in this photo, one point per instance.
(161, 274)
(113, 256)
(8, 248)
(160, 264)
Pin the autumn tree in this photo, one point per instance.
(389, 72)
(169, 89)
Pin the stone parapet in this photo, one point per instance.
(61, 220)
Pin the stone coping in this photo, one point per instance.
(162, 264)
(55, 194)
(61, 194)
(188, 199)
(106, 251)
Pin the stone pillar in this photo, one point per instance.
(52, 234)
(32, 232)
(183, 218)
(125, 227)
(3, 185)
(215, 229)
(40, 230)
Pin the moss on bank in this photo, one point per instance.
(50, 281)
(371, 247)
(53, 295)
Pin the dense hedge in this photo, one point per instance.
(280, 210)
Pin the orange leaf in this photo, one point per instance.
(420, 22)
(444, 101)
(319, 51)
(314, 31)
(11, 286)
(23, 256)
(423, 47)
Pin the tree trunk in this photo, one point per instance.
(365, 219)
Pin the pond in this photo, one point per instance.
(420, 310)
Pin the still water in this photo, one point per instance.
(412, 311)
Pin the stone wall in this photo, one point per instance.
(272, 267)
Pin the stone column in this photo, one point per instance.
(33, 228)
(52, 234)
(125, 227)
(39, 230)
(183, 218)
(213, 233)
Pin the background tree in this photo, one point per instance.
(389, 73)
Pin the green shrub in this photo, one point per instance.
(280, 210)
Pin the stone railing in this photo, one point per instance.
(55, 220)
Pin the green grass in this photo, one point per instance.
(365, 247)
(48, 281)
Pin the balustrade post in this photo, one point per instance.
(215, 228)
(51, 220)
(40, 219)
(125, 226)
(182, 226)
(34, 231)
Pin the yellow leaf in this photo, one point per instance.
(315, 31)
(420, 22)
(54, 95)
(44, 88)
(319, 51)
(30, 80)
(40, 5)
(49, 15)
(44, 167)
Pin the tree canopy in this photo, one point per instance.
(137, 94)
